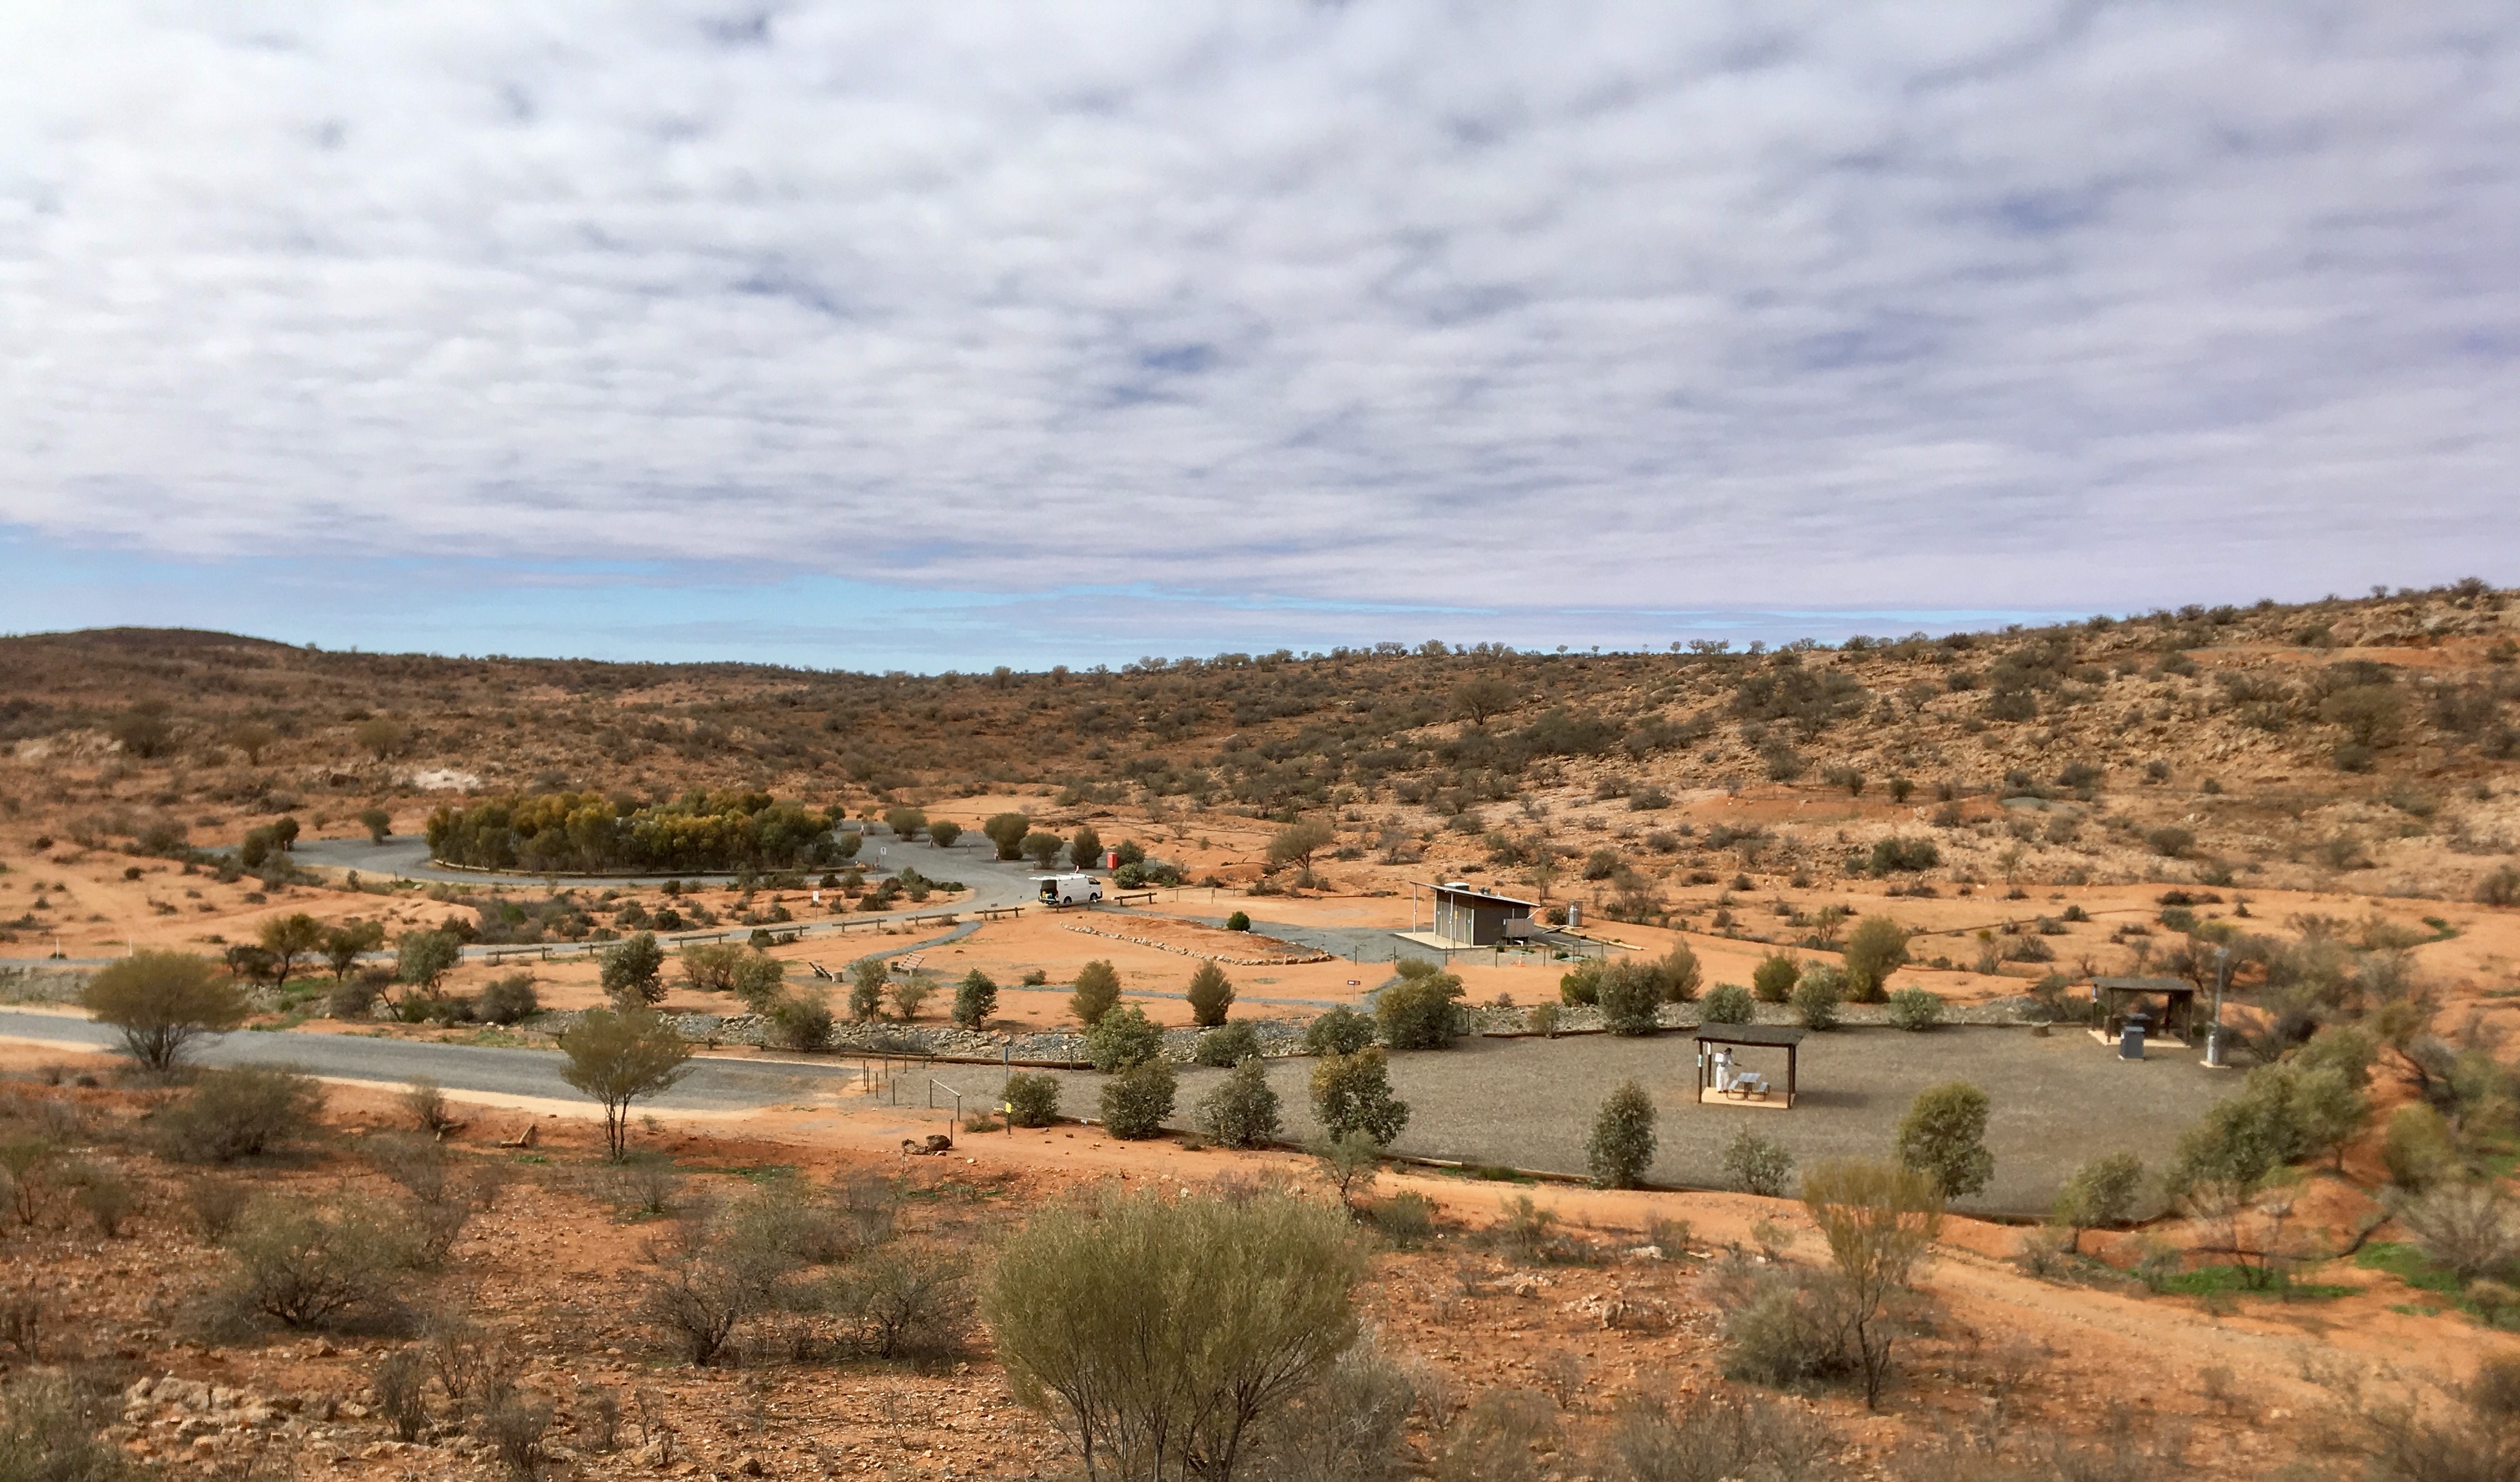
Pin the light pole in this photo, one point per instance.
(2214, 1032)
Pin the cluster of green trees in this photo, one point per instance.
(585, 833)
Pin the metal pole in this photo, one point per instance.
(2213, 1033)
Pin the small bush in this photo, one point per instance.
(509, 999)
(1632, 996)
(2417, 1150)
(1032, 1099)
(239, 1114)
(1405, 1219)
(696, 1304)
(1226, 1045)
(1136, 1101)
(50, 1432)
(1944, 1137)
(306, 1267)
(355, 997)
(1210, 994)
(1352, 1097)
(1756, 1164)
(1714, 1436)
(909, 1304)
(2099, 1193)
(1097, 992)
(1916, 1009)
(1785, 1336)
(107, 1199)
(2171, 841)
(2471, 1229)
(2501, 888)
(1580, 986)
(976, 998)
(1420, 1012)
(1243, 1112)
(1543, 1019)
(1904, 855)
(1774, 980)
(1622, 1145)
(400, 1385)
(1238, 921)
(801, 1024)
(1341, 1031)
(216, 1205)
(1816, 999)
(1727, 1004)
(1124, 1039)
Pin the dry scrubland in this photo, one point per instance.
(2327, 789)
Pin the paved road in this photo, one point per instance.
(714, 1084)
(994, 883)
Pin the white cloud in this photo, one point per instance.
(1548, 307)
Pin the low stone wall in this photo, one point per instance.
(1213, 957)
(41, 985)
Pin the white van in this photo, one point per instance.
(1078, 889)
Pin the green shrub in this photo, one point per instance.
(1785, 1336)
(1238, 921)
(1405, 1219)
(1136, 1101)
(161, 1001)
(1944, 1137)
(799, 1023)
(1876, 949)
(2417, 1148)
(1727, 1004)
(1097, 992)
(1124, 1039)
(1760, 1165)
(1904, 855)
(1210, 994)
(1352, 1095)
(1227, 1045)
(1418, 1011)
(1817, 997)
(976, 998)
(2099, 1193)
(632, 970)
(1032, 1099)
(1679, 974)
(507, 999)
(1341, 1031)
(1622, 1145)
(1916, 1009)
(1774, 980)
(1243, 1112)
(1580, 986)
(1632, 996)
(1087, 1309)
(239, 1114)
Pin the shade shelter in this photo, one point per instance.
(2168, 1005)
(1720, 1081)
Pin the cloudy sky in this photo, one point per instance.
(927, 335)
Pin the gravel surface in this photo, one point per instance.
(2060, 1101)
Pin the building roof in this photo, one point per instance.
(2168, 985)
(1464, 892)
(1749, 1034)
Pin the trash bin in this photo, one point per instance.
(2130, 1038)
